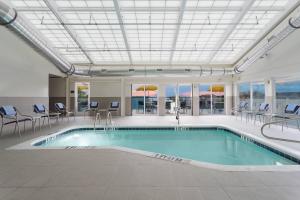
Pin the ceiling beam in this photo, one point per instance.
(158, 65)
(146, 9)
(179, 20)
(117, 9)
(247, 5)
(53, 7)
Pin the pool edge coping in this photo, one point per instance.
(28, 145)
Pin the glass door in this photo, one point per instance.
(258, 94)
(170, 99)
(211, 99)
(204, 99)
(137, 99)
(151, 93)
(82, 96)
(185, 98)
(144, 99)
(218, 99)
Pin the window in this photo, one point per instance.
(253, 93)
(185, 98)
(178, 95)
(211, 99)
(244, 92)
(258, 94)
(287, 92)
(144, 99)
(170, 99)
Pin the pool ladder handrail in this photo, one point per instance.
(276, 122)
(109, 122)
(97, 118)
(177, 111)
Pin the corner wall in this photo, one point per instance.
(281, 64)
(23, 73)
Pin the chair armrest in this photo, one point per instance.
(28, 116)
(9, 117)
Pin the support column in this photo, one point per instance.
(229, 98)
(127, 96)
(270, 94)
(68, 91)
(195, 99)
(123, 101)
(161, 99)
(235, 95)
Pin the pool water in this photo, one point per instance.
(217, 146)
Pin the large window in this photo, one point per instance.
(244, 92)
(253, 93)
(211, 99)
(178, 96)
(185, 98)
(258, 94)
(287, 92)
(144, 99)
(170, 99)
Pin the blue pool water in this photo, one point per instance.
(208, 145)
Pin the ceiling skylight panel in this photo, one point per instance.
(28, 3)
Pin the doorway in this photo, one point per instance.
(82, 96)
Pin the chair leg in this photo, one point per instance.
(24, 125)
(15, 128)
(19, 131)
(32, 125)
(49, 122)
(1, 129)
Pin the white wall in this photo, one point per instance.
(121, 87)
(23, 71)
(282, 62)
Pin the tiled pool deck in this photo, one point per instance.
(112, 174)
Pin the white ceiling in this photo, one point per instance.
(137, 32)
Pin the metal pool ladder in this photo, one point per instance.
(109, 122)
(97, 118)
(277, 122)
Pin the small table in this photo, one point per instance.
(102, 110)
(34, 120)
(55, 115)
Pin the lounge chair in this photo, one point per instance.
(240, 109)
(290, 112)
(10, 115)
(41, 110)
(260, 112)
(60, 108)
(93, 107)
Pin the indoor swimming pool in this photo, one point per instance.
(211, 145)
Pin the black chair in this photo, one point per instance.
(60, 108)
(93, 107)
(114, 106)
